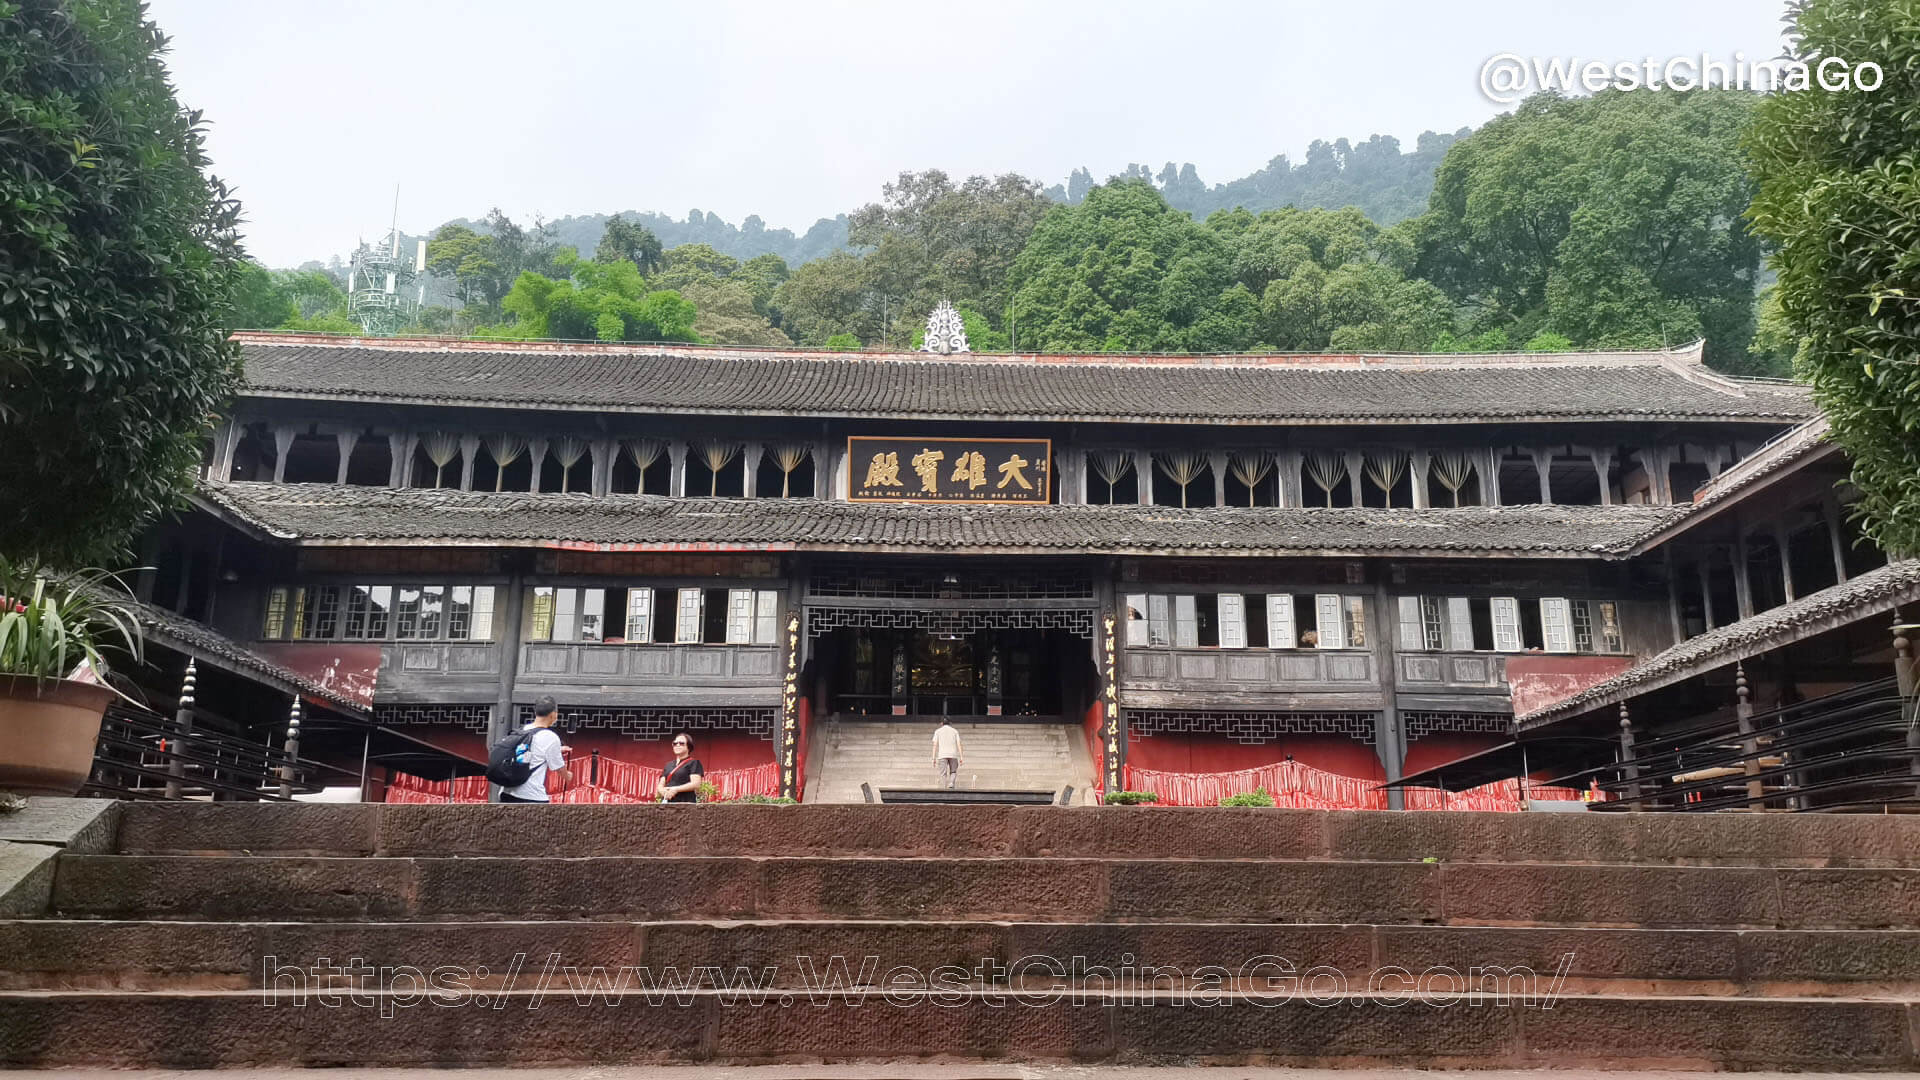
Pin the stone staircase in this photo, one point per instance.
(898, 753)
(209, 935)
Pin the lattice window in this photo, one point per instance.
(1250, 728)
(471, 717)
(658, 723)
(820, 620)
(934, 583)
(1431, 723)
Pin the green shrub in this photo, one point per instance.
(1256, 797)
(774, 800)
(1131, 798)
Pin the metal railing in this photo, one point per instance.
(147, 755)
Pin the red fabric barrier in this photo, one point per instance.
(1299, 786)
(613, 781)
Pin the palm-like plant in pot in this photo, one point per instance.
(56, 632)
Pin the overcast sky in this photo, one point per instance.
(796, 111)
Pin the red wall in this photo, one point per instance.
(1438, 749)
(1540, 679)
(716, 749)
(1216, 753)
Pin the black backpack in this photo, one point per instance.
(506, 764)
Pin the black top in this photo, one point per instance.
(677, 775)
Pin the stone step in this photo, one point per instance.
(69, 954)
(1809, 840)
(1047, 889)
(204, 1029)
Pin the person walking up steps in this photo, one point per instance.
(946, 753)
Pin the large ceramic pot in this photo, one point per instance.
(48, 732)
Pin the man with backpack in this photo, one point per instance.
(520, 763)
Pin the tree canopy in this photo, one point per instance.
(119, 266)
(1839, 194)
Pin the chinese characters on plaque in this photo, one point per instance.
(885, 468)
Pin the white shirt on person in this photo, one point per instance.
(543, 750)
(946, 742)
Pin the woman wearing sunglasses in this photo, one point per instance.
(680, 780)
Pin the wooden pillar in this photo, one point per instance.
(750, 466)
(282, 442)
(823, 471)
(1543, 467)
(536, 458)
(1673, 594)
(1663, 478)
(508, 642)
(1830, 510)
(605, 452)
(1289, 488)
(346, 441)
(1602, 458)
(1419, 465)
(1706, 587)
(1490, 478)
(677, 455)
(1217, 462)
(1143, 476)
(1356, 466)
(1742, 577)
(1750, 746)
(469, 450)
(1903, 681)
(1389, 733)
(1626, 756)
(292, 749)
(183, 719)
(1075, 483)
(1786, 564)
(400, 449)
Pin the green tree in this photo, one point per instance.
(458, 254)
(727, 315)
(1775, 341)
(600, 302)
(118, 266)
(827, 297)
(1839, 196)
(1124, 272)
(630, 241)
(762, 276)
(1614, 219)
(259, 300)
(933, 240)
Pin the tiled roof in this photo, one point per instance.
(1665, 384)
(331, 514)
(1874, 591)
(210, 646)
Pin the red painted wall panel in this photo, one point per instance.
(1540, 679)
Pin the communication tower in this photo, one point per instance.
(384, 292)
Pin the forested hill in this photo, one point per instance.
(1387, 184)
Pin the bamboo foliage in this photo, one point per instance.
(441, 447)
(1182, 467)
(1385, 468)
(717, 456)
(787, 456)
(505, 450)
(1326, 470)
(1250, 468)
(1452, 468)
(568, 450)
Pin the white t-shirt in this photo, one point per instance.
(544, 751)
(946, 742)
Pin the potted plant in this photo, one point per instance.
(54, 631)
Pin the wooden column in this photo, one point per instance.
(1419, 465)
(1626, 755)
(536, 457)
(1143, 476)
(823, 471)
(1356, 466)
(400, 449)
(1074, 484)
(1217, 462)
(1742, 577)
(1389, 733)
(1543, 468)
(1750, 746)
(512, 613)
(183, 718)
(1490, 478)
(750, 466)
(1786, 564)
(282, 442)
(346, 441)
(469, 451)
(1706, 587)
(1289, 488)
(1602, 458)
(605, 452)
(1673, 595)
(1903, 680)
(1830, 509)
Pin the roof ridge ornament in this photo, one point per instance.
(946, 334)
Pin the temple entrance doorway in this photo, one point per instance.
(1038, 674)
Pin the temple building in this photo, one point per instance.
(1107, 569)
